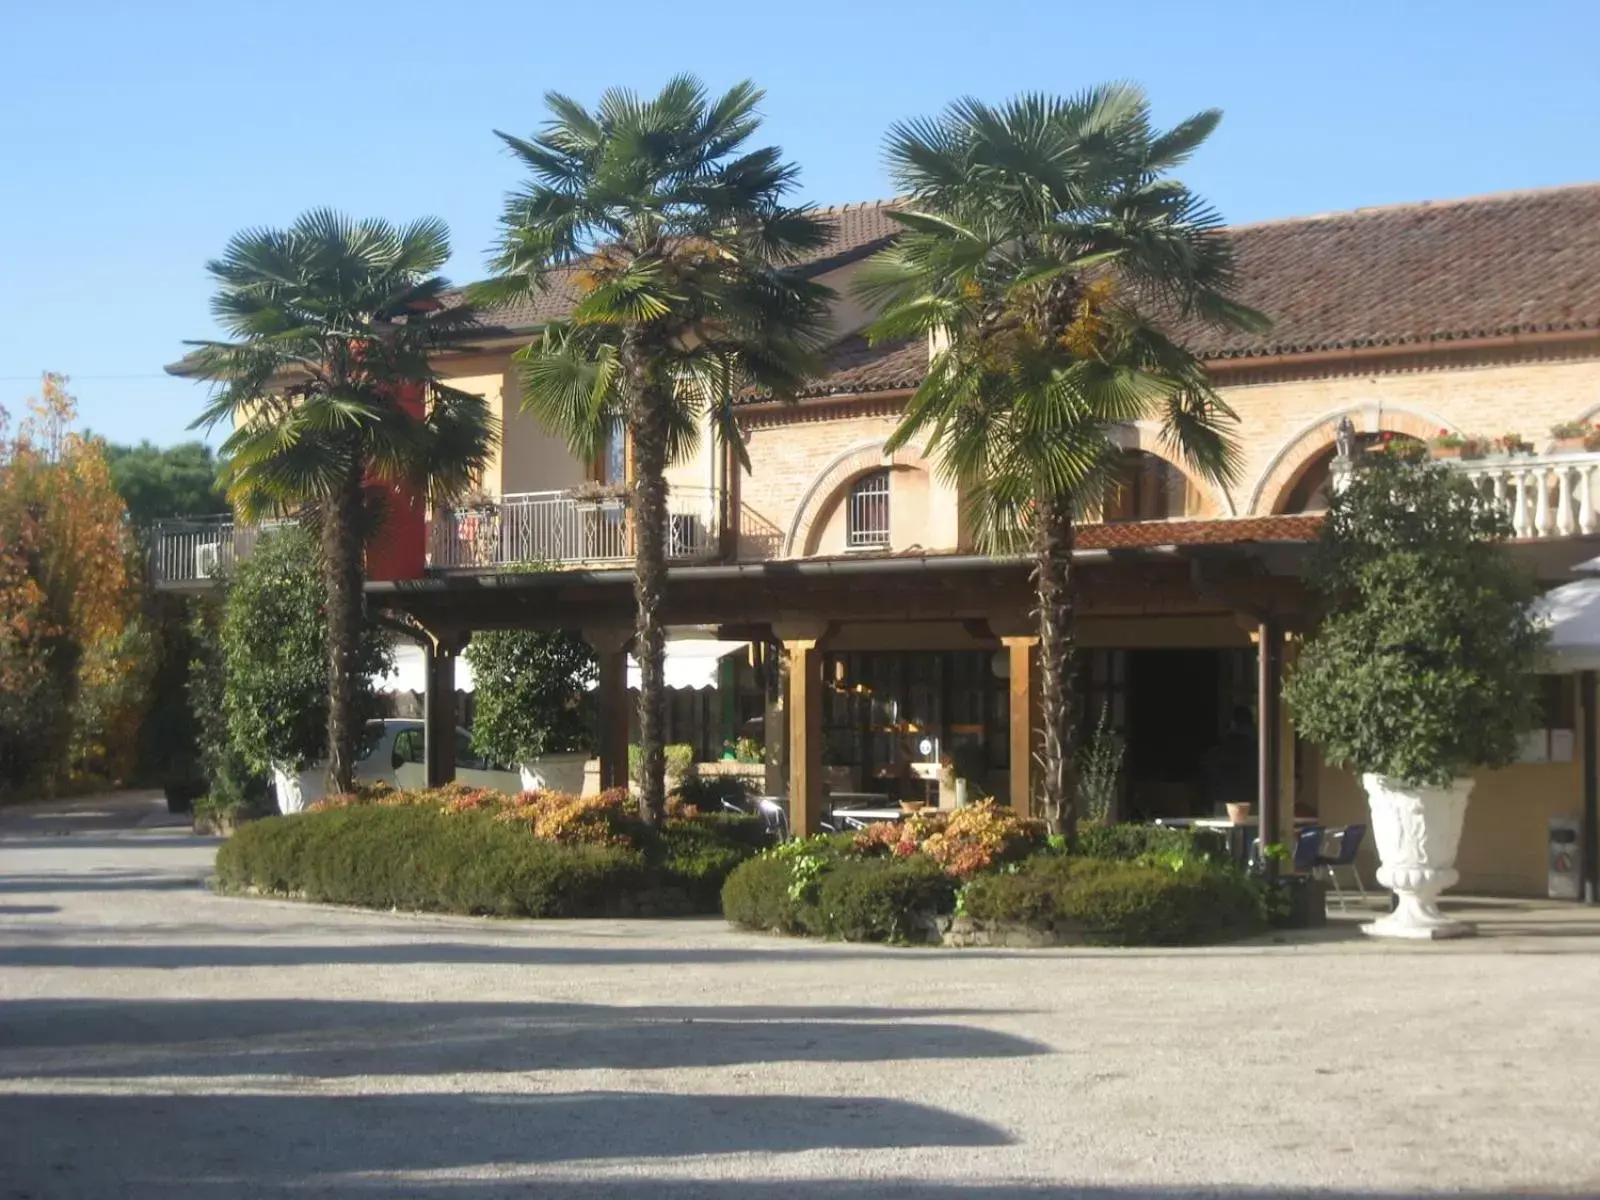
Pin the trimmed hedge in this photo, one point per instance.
(423, 858)
(820, 891)
(1106, 902)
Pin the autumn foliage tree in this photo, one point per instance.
(75, 658)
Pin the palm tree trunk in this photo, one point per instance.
(649, 427)
(1053, 609)
(343, 568)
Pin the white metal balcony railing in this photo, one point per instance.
(1546, 496)
(555, 528)
(549, 528)
(195, 550)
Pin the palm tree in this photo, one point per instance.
(681, 256)
(1046, 252)
(332, 325)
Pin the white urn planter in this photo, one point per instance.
(296, 789)
(554, 773)
(1417, 831)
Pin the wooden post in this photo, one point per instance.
(1269, 662)
(611, 648)
(1025, 726)
(805, 736)
(1591, 790)
(439, 709)
(775, 681)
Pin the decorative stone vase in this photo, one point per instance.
(1417, 831)
(554, 773)
(296, 789)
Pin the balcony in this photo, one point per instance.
(551, 529)
(556, 529)
(1546, 496)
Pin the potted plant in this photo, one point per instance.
(1572, 436)
(534, 708)
(593, 495)
(1448, 444)
(1512, 443)
(1422, 670)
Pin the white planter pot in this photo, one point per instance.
(1417, 831)
(554, 773)
(296, 789)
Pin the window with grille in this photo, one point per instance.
(868, 519)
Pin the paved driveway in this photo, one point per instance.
(157, 1041)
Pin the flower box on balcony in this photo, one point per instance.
(599, 497)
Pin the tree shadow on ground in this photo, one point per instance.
(251, 1145)
(64, 1039)
(473, 1146)
(102, 881)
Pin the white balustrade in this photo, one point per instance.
(1544, 496)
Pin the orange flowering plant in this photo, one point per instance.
(964, 842)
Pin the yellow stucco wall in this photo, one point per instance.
(1524, 398)
(528, 459)
(1503, 843)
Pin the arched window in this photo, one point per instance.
(1151, 489)
(1312, 491)
(867, 519)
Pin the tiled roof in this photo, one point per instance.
(858, 230)
(1122, 535)
(1411, 274)
(1520, 262)
(852, 367)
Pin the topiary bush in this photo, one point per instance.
(1424, 666)
(1106, 902)
(881, 900)
(822, 887)
(422, 859)
(1127, 843)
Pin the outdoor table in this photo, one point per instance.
(1238, 834)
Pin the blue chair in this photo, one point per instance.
(1307, 846)
(1339, 849)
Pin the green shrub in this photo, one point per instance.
(699, 854)
(757, 896)
(817, 886)
(880, 899)
(1108, 902)
(1126, 843)
(423, 859)
(707, 792)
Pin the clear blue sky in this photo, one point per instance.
(136, 138)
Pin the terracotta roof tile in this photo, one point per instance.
(1520, 262)
(1129, 534)
(858, 230)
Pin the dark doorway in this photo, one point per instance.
(1175, 718)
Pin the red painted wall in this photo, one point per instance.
(398, 548)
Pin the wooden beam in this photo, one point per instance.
(610, 645)
(1269, 678)
(805, 736)
(1025, 729)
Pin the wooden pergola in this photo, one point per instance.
(800, 605)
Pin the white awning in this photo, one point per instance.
(1571, 612)
(691, 664)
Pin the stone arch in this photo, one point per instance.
(842, 470)
(1279, 477)
(1146, 436)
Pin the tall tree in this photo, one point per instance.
(156, 482)
(334, 324)
(1048, 253)
(681, 253)
(74, 655)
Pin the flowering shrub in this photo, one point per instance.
(963, 842)
(608, 819)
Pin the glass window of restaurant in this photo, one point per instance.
(881, 708)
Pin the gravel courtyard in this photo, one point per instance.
(158, 1041)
